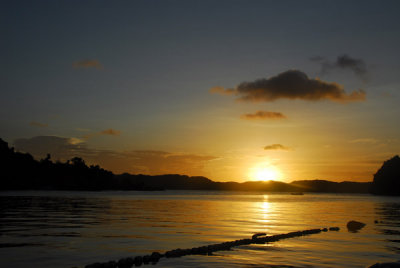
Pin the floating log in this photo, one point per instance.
(258, 238)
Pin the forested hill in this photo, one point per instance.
(20, 171)
(182, 182)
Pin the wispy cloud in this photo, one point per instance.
(277, 147)
(364, 140)
(222, 90)
(292, 84)
(38, 124)
(263, 115)
(75, 141)
(109, 132)
(357, 66)
(161, 162)
(87, 64)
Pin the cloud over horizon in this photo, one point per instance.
(40, 146)
(292, 84)
(263, 115)
(344, 61)
(134, 161)
(87, 64)
(275, 147)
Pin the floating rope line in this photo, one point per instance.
(258, 238)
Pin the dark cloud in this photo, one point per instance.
(344, 61)
(293, 84)
(263, 115)
(38, 124)
(87, 64)
(277, 147)
(317, 58)
(139, 161)
(357, 65)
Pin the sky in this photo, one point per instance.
(230, 90)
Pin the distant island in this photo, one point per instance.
(20, 171)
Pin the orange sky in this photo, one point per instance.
(228, 90)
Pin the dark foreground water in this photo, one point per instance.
(66, 229)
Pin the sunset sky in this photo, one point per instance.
(230, 90)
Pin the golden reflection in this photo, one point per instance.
(265, 210)
(265, 207)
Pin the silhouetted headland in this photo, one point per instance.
(20, 171)
(387, 178)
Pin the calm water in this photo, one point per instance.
(65, 229)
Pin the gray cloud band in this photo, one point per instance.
(344, 61)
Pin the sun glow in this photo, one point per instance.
(265, 173)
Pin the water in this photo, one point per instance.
(66, 229)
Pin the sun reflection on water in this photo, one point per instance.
(265, 209)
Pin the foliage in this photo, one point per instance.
(22, 171)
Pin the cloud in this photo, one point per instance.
(160, 162)
(222, 90)
(75, 141)
(263, 115)
(111, 132)
(87, 64)
(277, 147)
(38, 124)
(294, 84)
(40, 146)
(134, 161)
(344, 61)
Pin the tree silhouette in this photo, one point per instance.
(21, 171)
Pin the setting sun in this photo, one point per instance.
(265, 173)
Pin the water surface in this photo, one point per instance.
(66, 229)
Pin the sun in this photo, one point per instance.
(265, 173)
